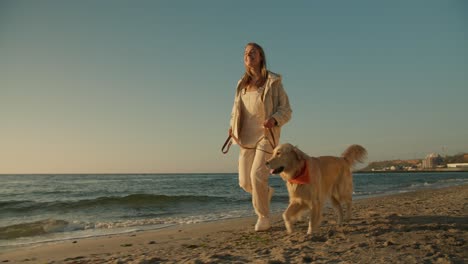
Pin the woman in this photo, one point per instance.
(261, 108)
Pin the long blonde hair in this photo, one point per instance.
(247, 78)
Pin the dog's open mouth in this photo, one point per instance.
(277, 170)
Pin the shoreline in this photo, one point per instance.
(415, 171)
(412, 227)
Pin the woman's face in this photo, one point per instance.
(252, 57)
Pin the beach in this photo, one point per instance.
(425, 226)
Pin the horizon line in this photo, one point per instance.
(116, 173)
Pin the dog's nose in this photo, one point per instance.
(267, 163)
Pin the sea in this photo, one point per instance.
(37, 209)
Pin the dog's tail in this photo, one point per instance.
(354, 153)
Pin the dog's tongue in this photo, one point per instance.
(272, 171)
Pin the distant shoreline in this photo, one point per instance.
(214, 173)
(415, 171)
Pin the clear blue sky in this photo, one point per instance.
(147, 86)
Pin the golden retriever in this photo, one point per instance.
(313, 180)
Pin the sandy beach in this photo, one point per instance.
(429, 226)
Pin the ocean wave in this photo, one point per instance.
(357, 193)
(33, 228)
(420, 184)
(134, 200)
(72, 228)
(47, 227)
(454, 181)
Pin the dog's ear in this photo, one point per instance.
(299, 154)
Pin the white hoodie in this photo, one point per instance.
(275, 102)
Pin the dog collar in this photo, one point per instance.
(302, 177)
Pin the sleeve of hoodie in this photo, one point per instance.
(283, 112)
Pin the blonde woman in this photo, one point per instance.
(261, 108)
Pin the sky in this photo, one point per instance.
(148, 86)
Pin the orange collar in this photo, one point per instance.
(303, 176)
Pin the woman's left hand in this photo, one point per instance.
(269, 123)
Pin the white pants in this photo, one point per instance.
(253, 176)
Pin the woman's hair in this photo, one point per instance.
(247, 78)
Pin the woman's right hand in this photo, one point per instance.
(230, 131)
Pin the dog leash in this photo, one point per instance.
(228, 143)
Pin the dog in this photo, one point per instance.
(313, 180)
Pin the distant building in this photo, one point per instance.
(457, 165)
(431, 161)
